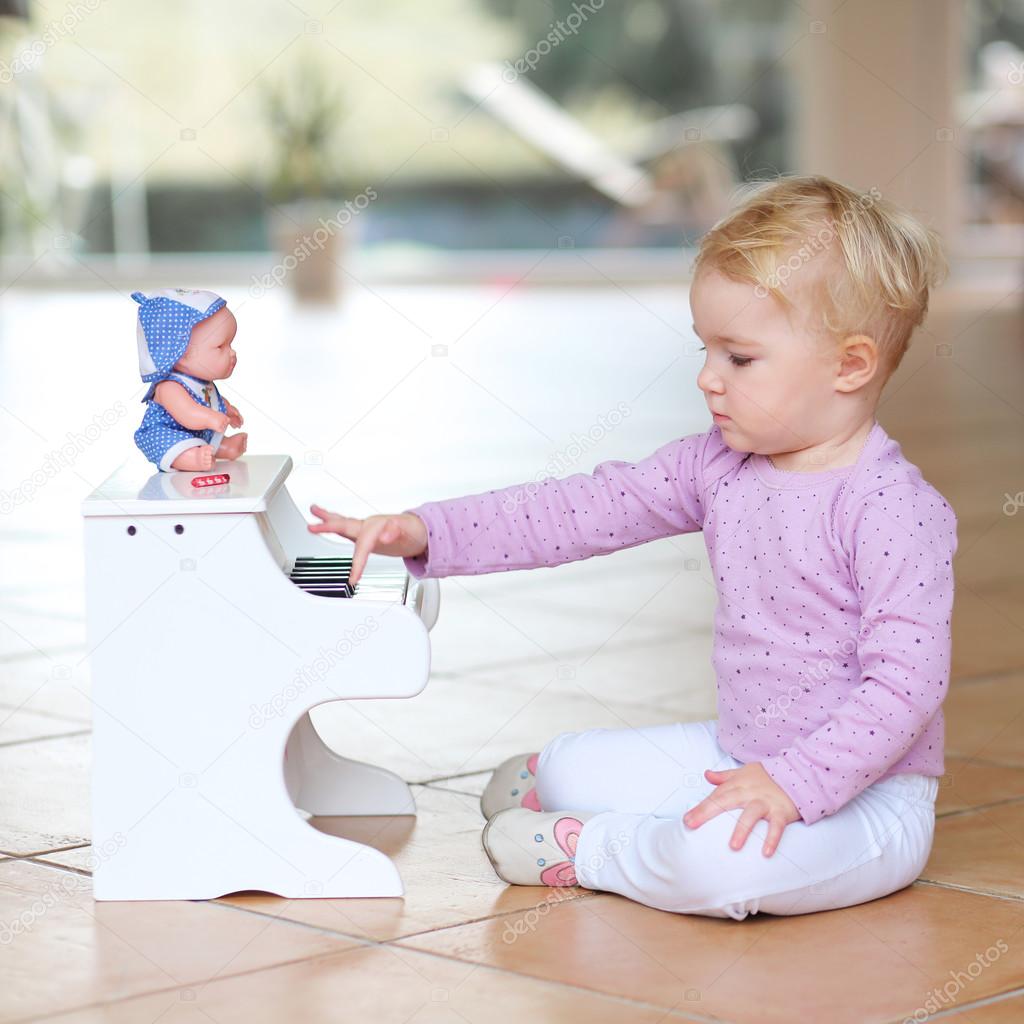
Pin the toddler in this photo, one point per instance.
(832, 557)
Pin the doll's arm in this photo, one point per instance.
(171, 395)
(234, 416)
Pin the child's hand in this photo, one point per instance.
(234, 416)
(753, 789)
(403, 535)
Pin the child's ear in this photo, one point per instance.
(858, 362)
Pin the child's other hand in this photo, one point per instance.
(753, 789)
(234, 416)
(403, 535)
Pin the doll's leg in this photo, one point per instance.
(876, 844)
(654, 770)
(177, 449)
(232, 447)
(195, 459)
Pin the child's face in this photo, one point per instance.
(209, 355)
(769, 374)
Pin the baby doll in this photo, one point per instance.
(184, 340)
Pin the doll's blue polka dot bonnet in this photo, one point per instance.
(166, 319)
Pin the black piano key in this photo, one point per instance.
(325, 576)
(327, 590)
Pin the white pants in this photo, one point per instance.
(642, 781)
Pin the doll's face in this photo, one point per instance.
(209, 355)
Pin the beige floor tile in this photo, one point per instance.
(44, 799)
(382, 985)
(31, 631)
(970, 783)
(63, 950)
(984, 639)
(472, 784)
(991, 555)
(981, 850)
(656, 586)
(57, 686)
(463, 725)
(984, 719)
(485, 626)
(672, 671)
(874, 962)
(447, 875)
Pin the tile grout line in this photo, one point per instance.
(1005, 897)
(979, 807)
(4, 706)
(10, 659)
(987, 677)
(991, 762)
(43, 853)
(963, 1008)
(43, 739)
(399, 938)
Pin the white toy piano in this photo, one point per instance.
(215, 622)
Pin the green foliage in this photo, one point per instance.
(303, 110)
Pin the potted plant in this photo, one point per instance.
(303, 111)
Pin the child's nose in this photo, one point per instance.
(707, 381)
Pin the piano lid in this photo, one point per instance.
(135, 489)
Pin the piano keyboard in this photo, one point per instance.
(329, 577)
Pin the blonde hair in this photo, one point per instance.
(879, 262)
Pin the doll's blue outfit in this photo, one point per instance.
(166, 319)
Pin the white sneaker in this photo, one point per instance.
(534, 848)
(511, 785)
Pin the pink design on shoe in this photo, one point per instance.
(567, 835)
(530, 801)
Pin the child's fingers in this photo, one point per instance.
(752, 814)
(710, 807)
(333, 523)
(775, 829)
(365, 545)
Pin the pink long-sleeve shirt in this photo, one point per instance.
(835, 590)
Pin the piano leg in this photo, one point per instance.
(323, 782)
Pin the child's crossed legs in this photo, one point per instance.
(632, 787)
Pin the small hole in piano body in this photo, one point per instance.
(131, 531)
(178, 528)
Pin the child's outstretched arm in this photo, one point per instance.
(542, 522)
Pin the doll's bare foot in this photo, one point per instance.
(195, 459)
(233, 446)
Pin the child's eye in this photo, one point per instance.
(735, 360)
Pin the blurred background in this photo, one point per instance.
(135, 141)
